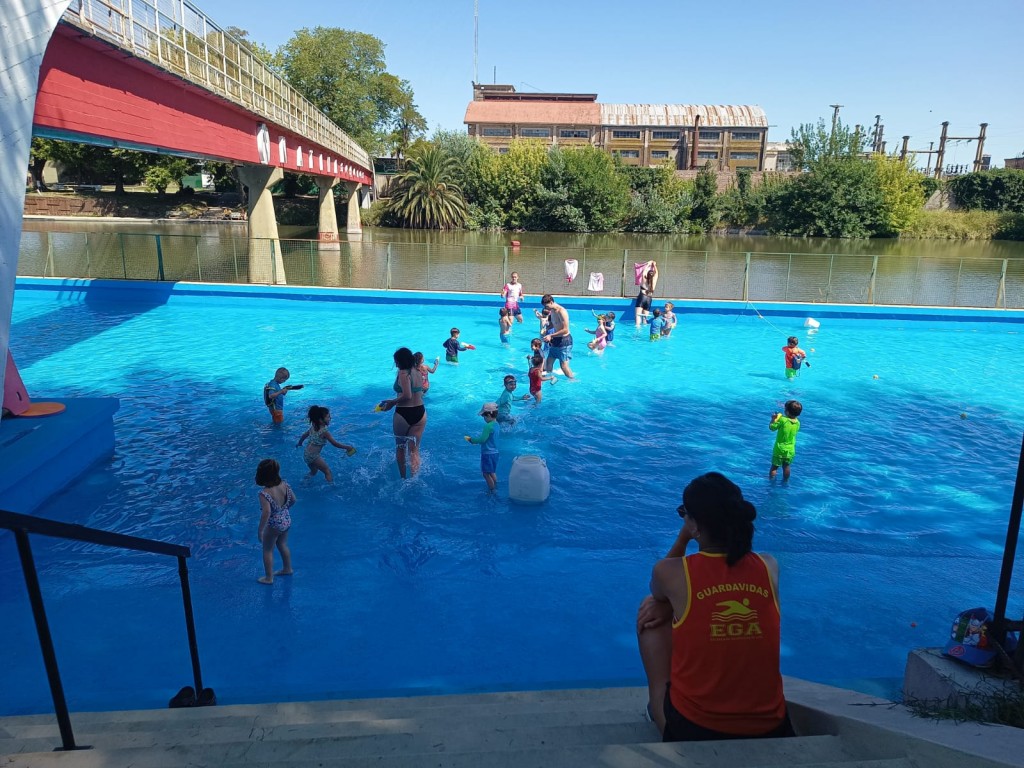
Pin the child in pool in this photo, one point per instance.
(453, 346)
(795, 357)
(505, 400)
(536, 348)
(276, 499)
(274, 392)
(319, 420)
(488, 445)
(785, 426)
(609, 326)
(538, 376)
(504, 324)
(669, 316)
(543, 317)
(657, 324)
(424, 371)
(600, 336)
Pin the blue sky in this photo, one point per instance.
(915, 63)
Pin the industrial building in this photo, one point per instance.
(685, 136)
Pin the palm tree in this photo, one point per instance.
(425, 195)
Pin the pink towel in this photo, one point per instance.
(638, 270)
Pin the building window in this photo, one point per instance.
(535, 133)
(659, 154)
(710, 135)
(502, 150)
(628, 153)
(574, 133)
(673, 135)
(746, 136)
(743, 155)
(625, 134)
(493, 131)
(707, 155)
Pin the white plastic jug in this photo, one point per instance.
(529, 481)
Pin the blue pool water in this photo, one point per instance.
(894, 520)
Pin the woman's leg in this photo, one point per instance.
(414, 445)
(656, 654)
(286, 555)
(401, 429)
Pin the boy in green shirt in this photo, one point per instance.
(786, 426)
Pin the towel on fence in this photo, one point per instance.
(596, 281)
(570, 270)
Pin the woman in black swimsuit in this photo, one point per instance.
(410, 417)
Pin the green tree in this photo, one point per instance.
(343, 73)
(471, 158)
(814, 143)
(258, 50)
(407, 125)
(660, 202)
(507, 184)
(704, 212)
(902, 195)
(424, 195)
(581, 191)
(840, 198)
(1001, 189)
(167, 169)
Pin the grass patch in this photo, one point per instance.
(967, 225)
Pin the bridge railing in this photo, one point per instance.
(178, 37)
(229, 257)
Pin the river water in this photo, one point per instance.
(981, 249)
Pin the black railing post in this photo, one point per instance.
(35, 596)
(190, 625)
(1009, 552)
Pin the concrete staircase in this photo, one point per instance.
(570, 729)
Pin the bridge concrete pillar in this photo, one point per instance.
(27, 27)
(329, 257)
(355, 222)
(265, 262)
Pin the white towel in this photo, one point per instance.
(571, 265)
(596, 281)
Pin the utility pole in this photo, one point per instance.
(835, 115)
(942, 150)
(476, 40)
(903, 149)
(875, 140)
(931, 149)
(981, 148)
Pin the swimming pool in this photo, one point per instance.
(894, 520)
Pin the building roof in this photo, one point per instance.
(499, 110)
(540, 112)
(722, 115)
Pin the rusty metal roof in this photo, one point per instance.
(723, 115)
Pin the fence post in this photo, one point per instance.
(625, 266)
(465, 270)
(828, 285)
(871, 280)
(234, 256)
(199, 261)
(49, 256)
(159, 259)
(746, 278)
(504, 265)
(956, 295)
(273, 264)
(88, 257)
(387, 270)
(1001, 295)
(789, 274)
(124, 263)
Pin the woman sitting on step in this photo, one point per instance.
(709, 630)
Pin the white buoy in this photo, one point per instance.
(529, 481)
(810, 322)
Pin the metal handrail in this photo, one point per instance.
(178, 37)
(23, 525)
(1000, 624)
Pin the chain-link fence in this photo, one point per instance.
(738, 276)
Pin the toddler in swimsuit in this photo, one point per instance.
(319, 420)
(276, 499)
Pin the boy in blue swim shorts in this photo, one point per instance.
(488, 445)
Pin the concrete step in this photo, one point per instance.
(584, 699)
(806, 752)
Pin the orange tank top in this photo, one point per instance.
(725, 648)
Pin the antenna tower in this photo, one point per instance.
(476, 39)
